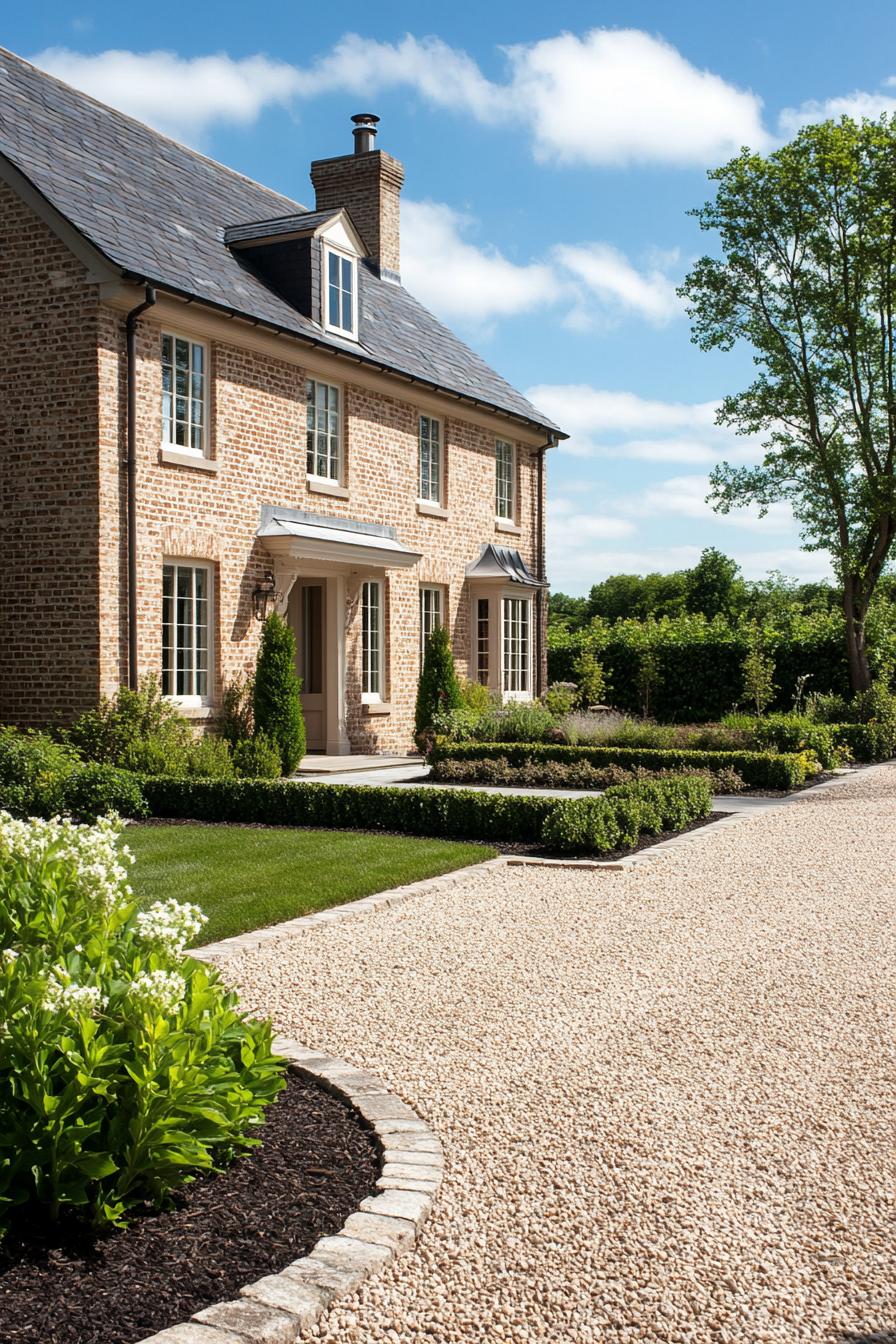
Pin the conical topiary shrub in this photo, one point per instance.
(276, 707)
(438, 690)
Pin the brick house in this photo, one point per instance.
(213, 400)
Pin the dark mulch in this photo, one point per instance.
(315, 1166)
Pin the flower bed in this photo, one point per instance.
(758, 770)
(574, 825)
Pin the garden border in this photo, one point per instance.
(278, 1308)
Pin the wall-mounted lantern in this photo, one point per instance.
(265, 596)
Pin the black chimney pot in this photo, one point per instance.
(364, 132)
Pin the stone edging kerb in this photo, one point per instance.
(278, 1308)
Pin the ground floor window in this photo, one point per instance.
(516, 627)
(482, 641)
(372, 640)
(431, 614)
(186, 624)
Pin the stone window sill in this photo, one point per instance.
(195, 712)
(176, 457)
(319, 485)
(505, 525)
(430, 510)
(375, 707)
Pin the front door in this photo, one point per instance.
(309, 622)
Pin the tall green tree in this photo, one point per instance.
(438, 690)
(276, 706)
(807, 278)
(712, 587)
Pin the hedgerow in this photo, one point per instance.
(450, 813)
(759, 770)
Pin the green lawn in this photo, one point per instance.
(246, 877)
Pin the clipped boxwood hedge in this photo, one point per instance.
(581, 825)
(758, 769)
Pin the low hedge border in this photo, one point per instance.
(580, 825)
(758, 769)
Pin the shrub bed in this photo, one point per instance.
(450, 813)
(567, 774)
(759, 770)
(43, 778)
(125, 1067)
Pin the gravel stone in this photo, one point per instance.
(667, 1096)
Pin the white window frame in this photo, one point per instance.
(516, 647)
(331, 324)
(432, 612)
(315, 383)
(168, 421)
(193, 697)
(373, 659)
(510, 515)
(425, 485)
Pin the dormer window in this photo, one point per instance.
(341, 304)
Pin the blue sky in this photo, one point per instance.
(551, 155)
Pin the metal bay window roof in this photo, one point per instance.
(501, 564)
(311, 536)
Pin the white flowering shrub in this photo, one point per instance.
(125, 1066)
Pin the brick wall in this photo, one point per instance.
(258, 418)
(368, 187)
(49, 515)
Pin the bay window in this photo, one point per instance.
(516, 660)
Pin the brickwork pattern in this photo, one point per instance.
(368, 186)
(49, 509)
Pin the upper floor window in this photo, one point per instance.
(505, 480)
(340, 293)
(430, 460)
(184, 386)
(186, 629)
(430, 613)
(324, 431)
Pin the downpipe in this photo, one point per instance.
(131, 471)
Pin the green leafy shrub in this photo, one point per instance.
(438, 690)
(475, 697)
(125, 1067)
(560, 698)
(590, 681)
(93, 790)
(276, 706)
(33, 769)
(43, 778)
(257, 757)
(797, 732)
(759, 677)
(235, 719)
(142, 731)
(449, 813)
(759, 770)
(517, 721)
(621, 815)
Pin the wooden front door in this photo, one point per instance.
(309, 623)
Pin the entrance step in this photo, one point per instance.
(349, 765)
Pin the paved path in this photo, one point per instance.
(667, 1096)
(415, 775)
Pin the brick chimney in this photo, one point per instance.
(368, 184)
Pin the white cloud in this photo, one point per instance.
(182, 96)
(479, 283)
(686, 497)
(856, 105)
(603, 423)
(468, 281)
(609, 275)
(611, 96)
(620, 96)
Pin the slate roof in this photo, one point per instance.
(306, 221)
(158, 212)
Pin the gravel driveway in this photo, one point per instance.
(667, 1096)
